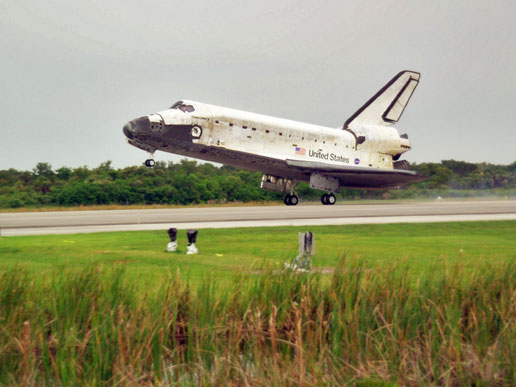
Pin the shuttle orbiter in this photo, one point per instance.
(364, 153)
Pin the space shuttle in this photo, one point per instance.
(364, 153)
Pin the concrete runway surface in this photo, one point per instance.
(69, 222)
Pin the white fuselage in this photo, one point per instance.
(275, 138)
(364, 153)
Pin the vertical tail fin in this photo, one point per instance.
(386, 106)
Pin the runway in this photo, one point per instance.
(69, 222)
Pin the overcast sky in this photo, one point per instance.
(73, 72)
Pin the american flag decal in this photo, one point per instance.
(300, 151)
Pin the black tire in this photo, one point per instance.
(286, 200)
(293, 200)
(331, 199)
(324, 199)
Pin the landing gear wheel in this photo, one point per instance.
(150, 163)
(328, 199)
(291, 200)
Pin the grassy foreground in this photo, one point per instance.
(224, 251)
(366, 326)
(406, 304)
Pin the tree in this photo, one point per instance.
(43, 169)
(63, 173)
(459, 167)
(191, 182)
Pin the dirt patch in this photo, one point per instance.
(320, 270)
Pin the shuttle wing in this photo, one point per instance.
(388, 104)
(359, 177)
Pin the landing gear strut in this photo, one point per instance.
(291, 200)
(328, 199)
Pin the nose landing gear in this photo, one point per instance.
(291, 200)
(149, 163)
(328, 199)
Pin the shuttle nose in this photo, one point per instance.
(128, 130)
(139, 125)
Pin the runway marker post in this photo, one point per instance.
(172, 245)
(192, 237)
(303, 262)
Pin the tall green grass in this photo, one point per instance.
(367, 324)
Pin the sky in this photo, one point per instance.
(74, 72)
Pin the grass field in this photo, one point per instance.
(224, 251)
(406, 304)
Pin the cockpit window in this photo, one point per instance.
(183, 107)
(176, 105)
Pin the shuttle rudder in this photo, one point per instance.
(388, 104)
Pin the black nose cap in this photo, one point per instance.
(139, 125)
(128, 130)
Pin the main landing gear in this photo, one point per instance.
(328, 199)
(291, 200)
(149, 163)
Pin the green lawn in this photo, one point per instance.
(224, 251)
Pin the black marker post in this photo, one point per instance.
(192, 237)
(172, 245)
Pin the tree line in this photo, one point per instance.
(191, 182)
